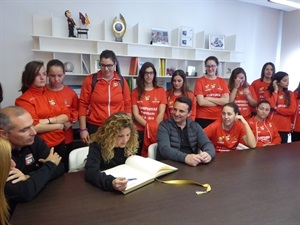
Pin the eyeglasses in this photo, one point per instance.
(108, 66)
(149, 73)
(212, 66)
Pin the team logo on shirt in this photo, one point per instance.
(213, 86)
(147, 97)
(116, 83)
(262, 128)
(51, 102)
(280, 96)
(29, 159)
(270, 124)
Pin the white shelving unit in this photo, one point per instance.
(50, 41)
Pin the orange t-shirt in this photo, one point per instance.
(282, 115)
(296, 116)
(265, 132)
(260, 87)
(210, 88)
(171, 100)
(42, 104)
(242, 102)
(70, 99)
(149, 104)
(225, 140)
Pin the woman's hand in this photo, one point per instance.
(275, 85)
(120, 183)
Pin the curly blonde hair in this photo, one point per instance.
(107, 133)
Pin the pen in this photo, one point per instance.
(130, 179)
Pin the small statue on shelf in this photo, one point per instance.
(71, 23)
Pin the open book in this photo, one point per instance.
(140, 171)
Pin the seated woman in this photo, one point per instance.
(110, 146)
(263, 128)
(232, 129)
(5, 165)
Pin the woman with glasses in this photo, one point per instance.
(108, 96)
(211, 93)
(148, 106)
(179, 88)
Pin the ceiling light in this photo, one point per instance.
(294, 4)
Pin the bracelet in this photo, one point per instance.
(49, 120)
(81, 130)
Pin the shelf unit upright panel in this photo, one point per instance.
(75, 59)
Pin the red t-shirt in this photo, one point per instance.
(242, 102)
(171, 100)
(296, 116)
(282, 115)
(265, 132)
(210, 88)
(149, 104)
(260, 87)
(225, 140)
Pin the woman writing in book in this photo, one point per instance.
(110, 146)
(179, 88)
(232, 129)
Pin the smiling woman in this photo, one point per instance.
(232, 129)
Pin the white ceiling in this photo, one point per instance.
(272, 5)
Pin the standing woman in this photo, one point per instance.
(5, 165)
(56, 75)
(231, 130)
(148, 105)
(110, 146)
(241, 93)
(110, 94)
(261, 85)
(211, 93)
(264, 129)
(296, 117)
(282, 102)
(46, 107)
(179, 88)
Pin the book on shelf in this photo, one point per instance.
(133, 66)
(140, 171)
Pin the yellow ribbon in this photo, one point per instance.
(207, 186)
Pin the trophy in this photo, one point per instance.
(119, 27)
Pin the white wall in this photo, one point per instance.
(256, 27)
(290, 53)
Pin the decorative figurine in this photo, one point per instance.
(71, 23)
(119, 27)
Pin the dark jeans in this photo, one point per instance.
(203, 122)
(284, 136)
(61, 150)
(92, 128)
(295, 136)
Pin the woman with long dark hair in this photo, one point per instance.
(282, 102)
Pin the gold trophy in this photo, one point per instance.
(119, 27)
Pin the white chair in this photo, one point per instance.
(152, 149)
(77, 159)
